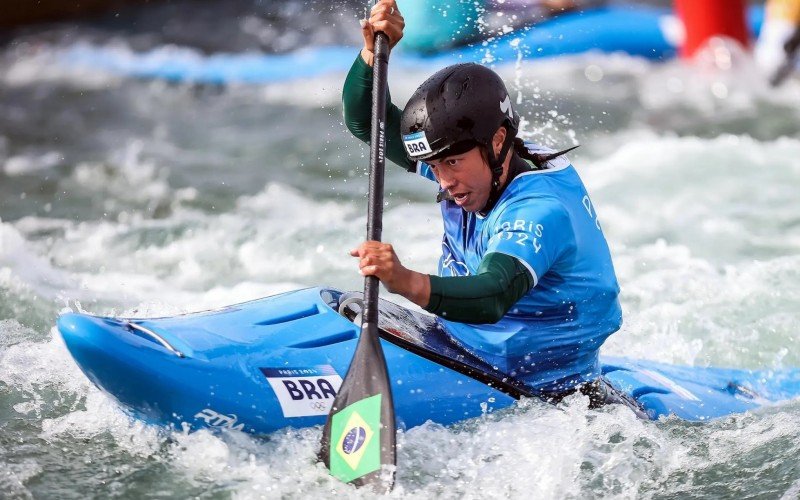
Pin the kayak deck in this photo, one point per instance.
(278, 361)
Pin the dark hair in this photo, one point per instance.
(538, 159)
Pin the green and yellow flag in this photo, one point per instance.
(355, 435)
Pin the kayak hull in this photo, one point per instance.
(277, 362)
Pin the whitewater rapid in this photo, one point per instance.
(141, 198)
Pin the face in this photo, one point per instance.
(466, 177)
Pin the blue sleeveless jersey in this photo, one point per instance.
(551, 337)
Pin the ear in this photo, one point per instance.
(498, 139)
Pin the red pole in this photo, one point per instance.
(704, 19)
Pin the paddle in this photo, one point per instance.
(358, 440)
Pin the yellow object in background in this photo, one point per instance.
(786, 10)
(777, 47)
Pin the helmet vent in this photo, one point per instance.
(445, 79)
(464, 86)
(465, 123)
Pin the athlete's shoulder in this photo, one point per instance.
(531, 205)
(539, 184)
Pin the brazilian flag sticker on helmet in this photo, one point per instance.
(355, 432)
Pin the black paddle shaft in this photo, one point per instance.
(375, 363)
(377, 167)
(359, 437)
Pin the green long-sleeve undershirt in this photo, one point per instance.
(357, 104)
(484, 297)
(501, 280)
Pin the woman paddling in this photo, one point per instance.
(525, 277)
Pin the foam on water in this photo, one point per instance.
(38, 370)
(705, 242)
(34, 63)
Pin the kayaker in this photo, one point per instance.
(779, 41)
(525, 276)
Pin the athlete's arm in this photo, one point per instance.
(357, 104)
(530, 236)
(357, 91)
(485, 297)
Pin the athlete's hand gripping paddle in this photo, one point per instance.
(358, 440)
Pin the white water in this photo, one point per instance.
(146, 199)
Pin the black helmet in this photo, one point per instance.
(455, 109)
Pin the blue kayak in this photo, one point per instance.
(649, 32)
(278, 362)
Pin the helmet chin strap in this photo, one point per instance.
(496, 166)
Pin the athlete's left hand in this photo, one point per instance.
(380, 260)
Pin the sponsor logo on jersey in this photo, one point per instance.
(416, 144)
(304, 392)
(587, 204)
(355, 430)
(449, 265)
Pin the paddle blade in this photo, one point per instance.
(358, 440)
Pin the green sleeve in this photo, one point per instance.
(357, 104)
(485, 297)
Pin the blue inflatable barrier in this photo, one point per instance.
(639, 31)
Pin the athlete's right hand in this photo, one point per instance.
(379, 259)
(386, 17)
